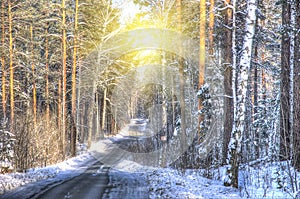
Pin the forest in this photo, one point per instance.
(222, 84)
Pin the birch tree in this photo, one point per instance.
(234, 148)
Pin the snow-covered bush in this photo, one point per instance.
(6, 151)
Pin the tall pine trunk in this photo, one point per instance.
(74, 70)
(228, 100)
(11, 70)
(64, 78)
(47, 75)
(59, 116)
(202, 55)
(296, 84)
(3, 61)
(34, 101)
(285, 89)
(211, 27)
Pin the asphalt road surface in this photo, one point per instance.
(101, 180)
(91, 184)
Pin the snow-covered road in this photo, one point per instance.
(81, 178)
(84, 176)
(108, 171)
(90, 184)
(37, 180)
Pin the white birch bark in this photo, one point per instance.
(292, 56)
(244, 67)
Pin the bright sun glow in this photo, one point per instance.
(148, 56)
(146, 41)
(128, 10)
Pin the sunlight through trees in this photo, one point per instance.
(217, 80)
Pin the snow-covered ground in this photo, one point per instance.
(140, 181)
(170, 183)
(37, 179)
(269, 180)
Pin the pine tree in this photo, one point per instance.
(11, 69)
(228, 100)
(202, 56)
(3, 63)
(64, 77)
(74, 71)
(285, 125)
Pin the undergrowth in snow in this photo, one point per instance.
(61, 170)
(170, 183)
(267, 180)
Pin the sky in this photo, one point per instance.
(129, 9)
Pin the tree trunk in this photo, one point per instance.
(182, 81)
(228, 100)
(104, 111)
(11, 69)
(98, 128)
(47, 76)
(285, 125)
(263, 79)
(164, 97)
(73, 132)
(64, 77)
(296, 119)
(34, 103)
(79, 111)
(256, 137)
(59, 108)
(242, 82)
(91, 114)
(202, 27)
(173, 105)
(3, 62)
(211, 27)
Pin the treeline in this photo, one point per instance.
(251, 67)
(253, 46)
(43, 45)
